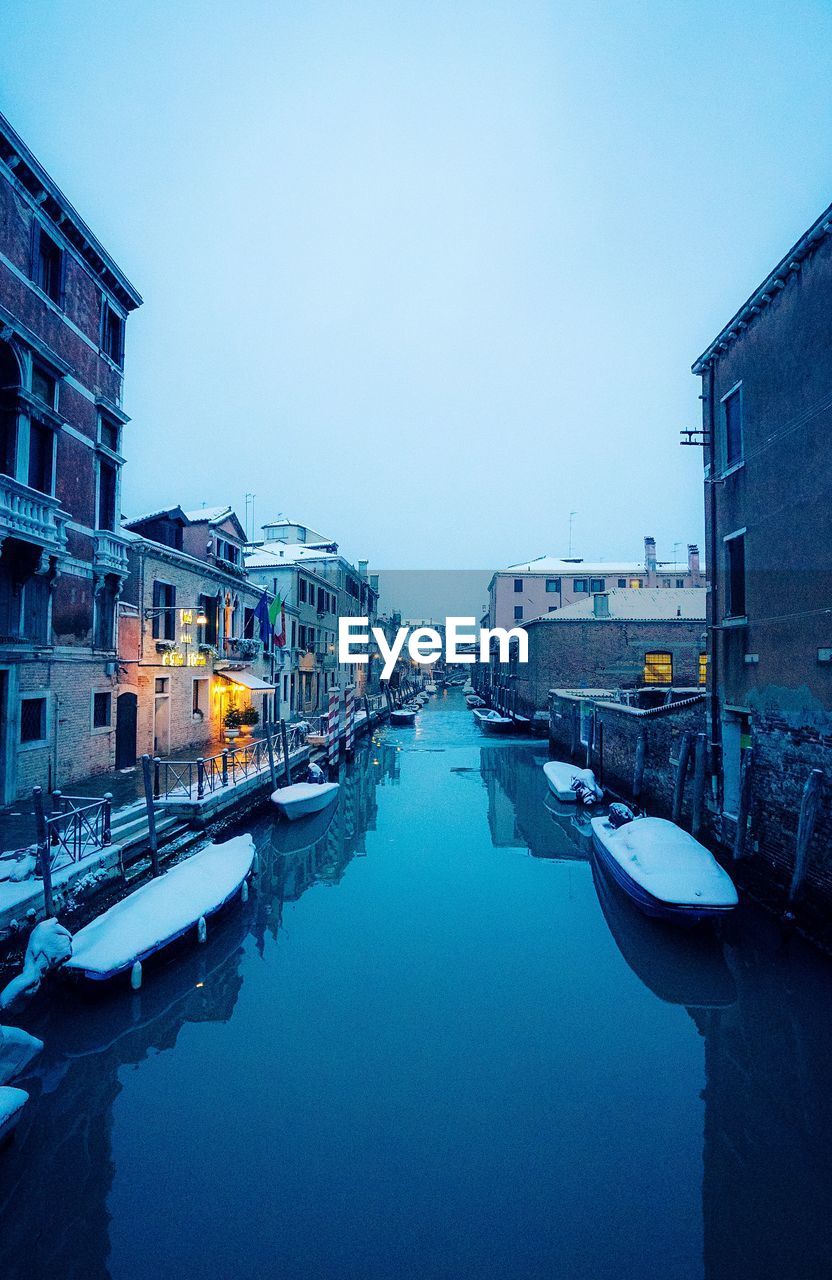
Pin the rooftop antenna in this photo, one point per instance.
(250, 504)
(572, 515)
(676, 547)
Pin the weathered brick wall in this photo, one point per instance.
(615, 737)
(605, 654)
(73, 750)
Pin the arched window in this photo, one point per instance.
(658, 668)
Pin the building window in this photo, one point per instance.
(48, 264)
(112, 334)
(302, 590)
(164, 611)
(636, 583)
(518, 584)
(110, 434)
(680, 582)
(107, 478)
(162, 684)
(553, 608)
(104, 614)
(732, 417)
(553, 584)
(596, 585)
(33, 720)
(41, 450)
(735, 576)
(101, 710)
(579, 586)
(622, 582)
(199, 702)
(208, 628)
(518, 612)
(703, 668)
(658, 668)
(44, 386)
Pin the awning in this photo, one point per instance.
(247, 680)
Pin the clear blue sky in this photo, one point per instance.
(429, 275)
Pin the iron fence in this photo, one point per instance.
(76, 828)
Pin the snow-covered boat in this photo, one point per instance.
(474, 701)
(161, 911)
(560, 776)
(12, 1102)
(430, 688)
(302, 798)
(403, 715)
(664, 871)
(492, 721)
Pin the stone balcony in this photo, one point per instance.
(31, 516)
(110, 553)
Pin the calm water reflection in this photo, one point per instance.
(420, 1051)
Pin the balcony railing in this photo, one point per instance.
(110, 552)
(31, 516)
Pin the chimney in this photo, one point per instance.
(650, 555)
(362, 568)
(601, 604)
(693, 562)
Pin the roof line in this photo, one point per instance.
(776, 280)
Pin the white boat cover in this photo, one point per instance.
(162, 909)
(667, 862)
(560, 775)
(12, 1102)
(299, 792)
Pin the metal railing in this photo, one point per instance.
(77, 827)
(195, 779)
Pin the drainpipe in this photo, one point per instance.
(713, 573)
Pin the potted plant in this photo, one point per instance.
(248, 719)
(247, 648)
(232, 722)
(165, 646)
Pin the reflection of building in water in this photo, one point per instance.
(767, 1184)
(59, 1170)
(521, 812)
(296, 855)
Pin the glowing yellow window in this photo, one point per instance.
(635, 583)
(658, 668)
(703, 668)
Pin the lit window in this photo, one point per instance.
(703, 668)
(658, 668)
(635, 583)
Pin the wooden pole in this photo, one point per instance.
(284, 739)
(590, 740)
(44, 852)
(699, 760)
(641, 759)
(741, 832)
(681, 774)
(809, 805)
(270, 749)
(147, 774)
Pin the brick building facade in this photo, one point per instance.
(767, 418)
(63, 309)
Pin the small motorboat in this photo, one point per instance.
(161, 911)
(665, 872)
(300, 799)
(403, 715)
(493, 722)
(430, 688)
(474, 701)
(562, 776)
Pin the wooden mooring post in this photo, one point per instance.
(270, 749)
(147, 774)
(809, 805)
(638, 768)
(746, 765)
(699, 761)
(284, 742)
(681, 774)
(44, 852)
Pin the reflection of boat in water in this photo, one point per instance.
(685, 967)
(292, 837)
(574, 821)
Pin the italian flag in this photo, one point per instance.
(277, 615)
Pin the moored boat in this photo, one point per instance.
(474, 701)
(301, 799)
(161, 911)
(665, 872)
(403, 716)
(561, 777)
(492, 721)
(12, 1102)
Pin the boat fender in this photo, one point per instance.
(244, 892)
(202, 929)
(136, 975)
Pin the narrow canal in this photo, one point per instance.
(434, 1044)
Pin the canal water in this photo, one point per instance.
(434, 1043)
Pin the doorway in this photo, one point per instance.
(161, 719)
(126, 717)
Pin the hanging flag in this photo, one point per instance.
(262, 615)
(280, 638)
